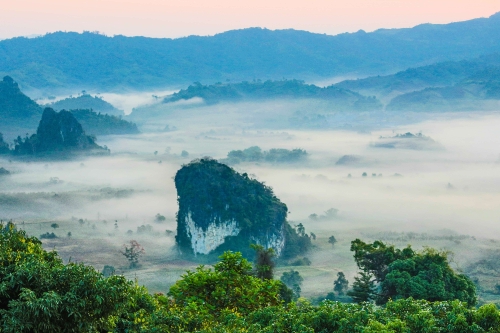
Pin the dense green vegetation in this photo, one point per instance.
(96, 61)
(103, 124)
(86, 102)
(391, 273)
(275, 155)
(211, 193)
(258, 90)
(42, 294)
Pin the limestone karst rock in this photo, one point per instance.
(57, 132)
(220, 209)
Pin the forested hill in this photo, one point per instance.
(436, 75)
(14, 104)
(95, 61)
(86, 101)
(258, 90)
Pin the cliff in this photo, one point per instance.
(57, 132)
(220, 209)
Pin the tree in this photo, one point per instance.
(403, 273)
(264, 264)
(133, 252)
(313, 235)
(301, 230)
(332, 240)
(340, 285)
(293, 280)
(230, 286)
(54, 225)
(160, 218)
(363, 288)
(69, 234)
(42, 294)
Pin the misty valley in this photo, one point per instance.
(250, 201)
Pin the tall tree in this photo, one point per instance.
(340, 285)
(363, 288)
(264, 264)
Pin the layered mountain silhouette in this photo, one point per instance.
(96, 61)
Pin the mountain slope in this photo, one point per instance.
(290, 89)
(94, 61)
(15, 104)
(436, 75)
(85, 101)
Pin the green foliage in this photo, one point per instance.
(211, 192)
(133, 251)
(54, 225)
(255, 154)
(48, 235)
(340, 285)
(293, 280)
(301, 262)
(295, 243)
(363, 288)
(230, 286)
(406, 273)
(264, 264)
(41, 294)
(428, 276)
(332, 240)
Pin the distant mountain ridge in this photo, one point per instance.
(92, 61)
(291, 89)
(440, 74)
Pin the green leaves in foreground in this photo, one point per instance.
(39, 293)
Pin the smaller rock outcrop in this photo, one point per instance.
(57, 132)
(4, 172)
(220, 209)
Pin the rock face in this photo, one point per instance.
(61, 130)
(220, 209)
(57, 132)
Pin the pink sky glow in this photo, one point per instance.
(177, 18)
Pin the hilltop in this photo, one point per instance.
(258, 90)
(86, 101)
(93, 61)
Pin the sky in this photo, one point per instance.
(178, 18)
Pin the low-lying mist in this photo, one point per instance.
(378, 189)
